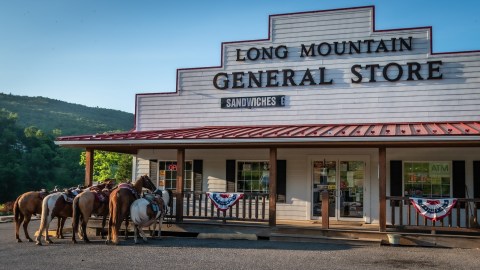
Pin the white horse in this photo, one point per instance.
(55, 205)
(147, 210)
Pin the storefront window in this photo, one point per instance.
(252, 176)
(431, 179)
(168, 175)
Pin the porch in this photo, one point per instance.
(248, 219)
(260, 212)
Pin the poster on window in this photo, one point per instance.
(439, 169)
(161, 179)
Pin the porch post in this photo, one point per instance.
(382, 186)
(179, 187)
(89, 159)
(272, 206)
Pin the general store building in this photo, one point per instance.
(325, 102)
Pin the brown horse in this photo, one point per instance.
(55, 205)
(26, 205)
(93, 200)
(119, 205)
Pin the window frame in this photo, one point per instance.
(251, 161)
(184, 173)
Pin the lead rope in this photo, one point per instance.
(169, 218)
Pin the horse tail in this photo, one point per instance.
(16, 210)
(114, 216)
(44, 217)
(75, 215)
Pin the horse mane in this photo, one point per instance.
(140, 183)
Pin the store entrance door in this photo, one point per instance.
(344, 180)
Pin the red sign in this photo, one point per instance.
(172, 167)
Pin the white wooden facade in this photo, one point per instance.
(197, 103)
(456, 97)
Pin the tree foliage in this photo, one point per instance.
(108, 165)
(29, 158)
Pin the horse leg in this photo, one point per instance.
(26, 221)
(102, 232)
(160, 227)
(84, 231)
(126, 228)
(17, 227)
(109, 230)
(57, 232)
(60, 228)
(135, 232)
(47, 226)
(142, 233)
(152, 233)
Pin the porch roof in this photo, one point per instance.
(333, 134)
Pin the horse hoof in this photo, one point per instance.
(50, 241)
(107, 242)
(19, 241)
(38, 243)
(30, 240)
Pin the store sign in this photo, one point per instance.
(252, 102)
(359, 72)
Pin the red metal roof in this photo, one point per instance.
(440, 129)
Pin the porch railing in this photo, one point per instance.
(463, 217)
(252, 207)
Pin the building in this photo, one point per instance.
(326, 102)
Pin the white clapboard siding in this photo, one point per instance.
(455, 97)
(142, 167)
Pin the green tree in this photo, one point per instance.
(108, 165)
(12, 178)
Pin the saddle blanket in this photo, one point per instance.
(101, 197)
(434, 209)
(223, 201)
(129, 187)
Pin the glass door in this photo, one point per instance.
(324, 178)
(352, 178)
(344, 180)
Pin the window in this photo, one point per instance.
(431, 179)
(167, 175)
(252, 176)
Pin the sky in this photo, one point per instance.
(101, 53)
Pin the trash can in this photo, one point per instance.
(393, 239)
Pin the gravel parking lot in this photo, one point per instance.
(191, 253)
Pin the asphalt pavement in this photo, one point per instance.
(192, 253)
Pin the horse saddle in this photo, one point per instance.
(129, 187)
(101, 196)
(68, 197)
(152, 202)
(42, 194)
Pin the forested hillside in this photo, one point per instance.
(29, 158)
(49, 114)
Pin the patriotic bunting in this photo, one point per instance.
(433, 209)
(223, 201)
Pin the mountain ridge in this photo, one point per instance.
(49, 114)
